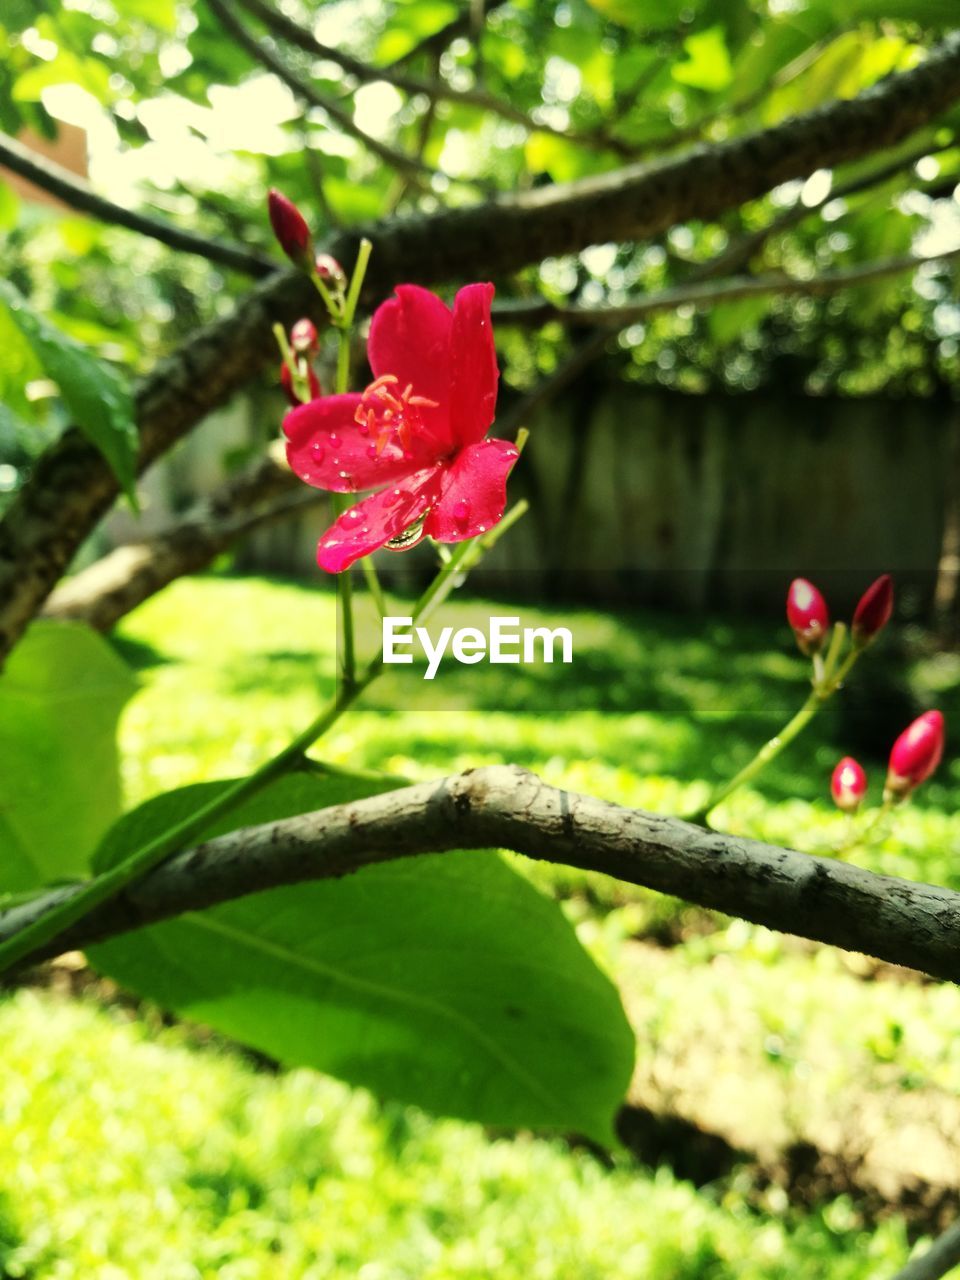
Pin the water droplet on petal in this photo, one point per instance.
(319, 453)
(353, 514)
(461, 512)
(344, 475)
(363, 428)
(334, 439)
(371, 451)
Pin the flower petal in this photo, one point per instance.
(473, 491)
(327, 448)
(410, 339)
(376, 520)
(473, 375)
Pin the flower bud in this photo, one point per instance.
(330, 272)
(808, 615)
(286, 381)
(873, 611)
(915, 755)
(304, 337)
(848, 785)
(290, 228)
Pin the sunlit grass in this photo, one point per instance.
(126, 1152)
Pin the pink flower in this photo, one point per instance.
(873, 611)
(416, 434)
(915, 754)
(848, 785)
(807, 614)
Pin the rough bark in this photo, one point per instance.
(106, 591)
(72, 487)
(503, 806)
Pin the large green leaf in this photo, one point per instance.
(446, 981)
(60, 697)
(707, 64)
(98, 399)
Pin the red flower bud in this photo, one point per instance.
(286, 381)
(292, 232)
(304, 336)
(848, 785)
(873, 612)
(808, 615)
(330, 271)
(915, 755)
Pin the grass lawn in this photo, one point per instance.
(128, 1148)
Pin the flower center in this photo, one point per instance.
(389, 415)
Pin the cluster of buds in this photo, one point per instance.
(809, 616)
(297, 376)
(913, 759)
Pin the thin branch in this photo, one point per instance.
(712, 293)
(113, 586)
(71, 486)
(503, 806)
(738, 254)
(59, 182)
(436, 89)
(439, 41)
(396, 159)
(942, 1256)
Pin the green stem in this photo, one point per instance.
(150, 855)
(373, 586)
(143, 860)
(769, 751)
(823, 689)
(356, 280)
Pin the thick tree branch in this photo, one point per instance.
(79, 195)
(737, 255)
(72, 487)
(506, 807)
(109, 589)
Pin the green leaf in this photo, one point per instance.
(161, 14)
(98, 399)
(638, 15)
(61, 695)
(729, 321)
(412, 22)
(9, 206)
(446, 981)
(707, 64)
(66, 68)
